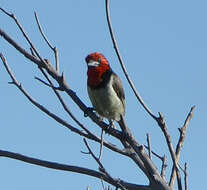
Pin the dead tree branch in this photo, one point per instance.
(101, 167)
(122, 62)
(180, 143)
(70, 168)
(164, 129)
(149, 146)
(54, 49)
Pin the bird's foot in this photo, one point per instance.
(88, 109)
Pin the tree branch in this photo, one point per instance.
(75, 169)
(54, 49)
(186, 177)
(122, 62)
(180, 143)
(149, 145)
(164, 166)
(145, 163)
(163, 126)
(102, 168)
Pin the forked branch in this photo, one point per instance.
(180, 143)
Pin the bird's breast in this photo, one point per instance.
(106, 102)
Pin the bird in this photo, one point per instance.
(105, 88)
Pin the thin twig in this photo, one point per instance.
(41, 31)
(149, 145)
(54, 49)
(122, 62)
(101, 167)
(180, 143)
(101, 145)
(186, 177)
(164, 166)
(42, 81)
(102, 184)
(95, 158)
(154, 153)
(24, 33)
(32, 52)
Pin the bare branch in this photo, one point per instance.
(154, 153)
(54, 49)
(186, 177)
(70, 168)
(41, 31)
(143, 161)
(42, 81)
(180, 143)
(163, 159)
(101, 146)
(164, 166)
(101, 167)
(163, 126)
(149, 145)
(122, 62)
(24, 33)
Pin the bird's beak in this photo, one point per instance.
(92, 63)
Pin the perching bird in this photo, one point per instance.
(104, 88)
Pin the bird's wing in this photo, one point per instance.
(118, 88)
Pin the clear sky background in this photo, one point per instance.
(163, 44)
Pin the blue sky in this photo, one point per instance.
(163, 44)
